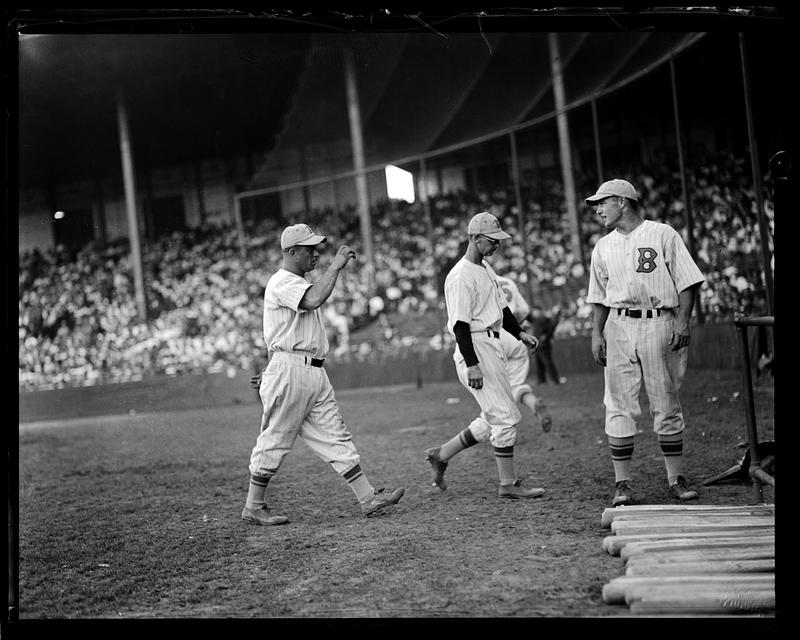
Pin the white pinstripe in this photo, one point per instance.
(645, 269)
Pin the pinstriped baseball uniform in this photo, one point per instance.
(517, 354)
(473, 296)
(645, 269)
(298, 398)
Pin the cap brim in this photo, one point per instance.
(497, 235)
(313, 241)
(597, 198)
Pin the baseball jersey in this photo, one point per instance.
(645, 269)
(473, 295)
(514, 298)
(288, 328)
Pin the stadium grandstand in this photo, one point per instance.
(157, 171)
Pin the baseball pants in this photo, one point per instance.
(638, 350)
(500, 415)
(298, 400)
(518, 364)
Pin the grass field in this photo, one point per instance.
(138, 516)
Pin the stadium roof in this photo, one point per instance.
(195, 96)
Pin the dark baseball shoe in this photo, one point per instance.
(622, 494)
(516, 490)
(543, 416)
(261, 516)
(680, 491)
(438, 465)
(381, 500)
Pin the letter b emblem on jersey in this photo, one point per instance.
(647, 260)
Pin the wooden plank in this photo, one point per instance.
(678, 544)
(633, 528)
(608, 515)
(703, 567)
(700, 555)
(615, 543)
(700, 608)
(721, 593)
(614, 590)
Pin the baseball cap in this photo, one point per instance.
(300, 234)
(484, 223)
(615, 187)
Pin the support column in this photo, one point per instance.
(357, 142)
(129, 180)
(757, 186)
(687, 205)
(565, 148)
(530, 286)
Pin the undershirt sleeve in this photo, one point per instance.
(510, 323)
(464, 341)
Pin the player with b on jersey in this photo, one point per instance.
(643, 283)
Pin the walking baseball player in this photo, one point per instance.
(518, 357)
(296, 394)
(643, 284)
(476, 311)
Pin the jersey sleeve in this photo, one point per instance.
(683, 268)
(458, 298)
(289, 291)
(598, 277)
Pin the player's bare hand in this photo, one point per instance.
(343, 255)
(255, 382)
(599, 350)
(679, 340)
(475, 377)
(530, 341)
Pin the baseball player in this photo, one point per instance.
(643, 284)
(518, 357)
(476, 312)
(296, 394)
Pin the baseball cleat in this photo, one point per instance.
(516, 490)
(680, 491)
(381, 500)
(439, 467)
(261, 516)
(622, 494)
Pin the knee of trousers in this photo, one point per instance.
(504, 436)
(265, 463)
(521, 390)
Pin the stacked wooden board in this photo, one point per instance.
(692, 560)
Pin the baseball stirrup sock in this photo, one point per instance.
(359, 484)
(462, 440)
(504, 456)
(672, 450)
(621, 454)
(257, 491)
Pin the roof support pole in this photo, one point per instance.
(598, 152)
(530, 286)
(423, 196)
(357, 143)
(757, 187)
(128, 175)
(565, 148)
(682, 165)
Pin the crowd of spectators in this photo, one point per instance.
(78, 321)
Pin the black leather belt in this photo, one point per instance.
(314, 362)
(640, 313)
(489, 332)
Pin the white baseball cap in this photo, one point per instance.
(485, 224)
(300, 234)
(615, 187)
